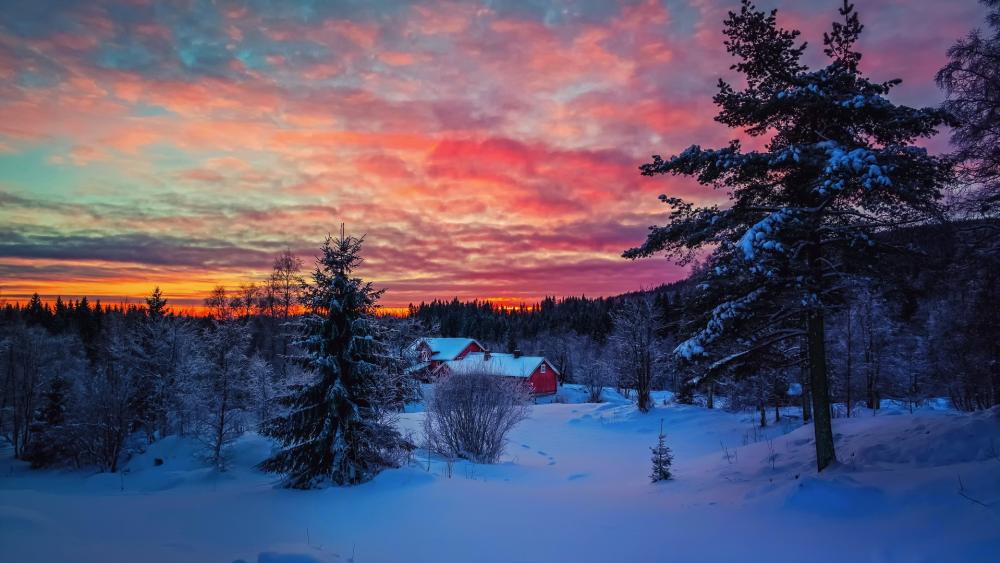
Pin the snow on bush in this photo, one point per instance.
(470, 415)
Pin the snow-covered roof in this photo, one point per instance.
(498, 364)
(447, 348)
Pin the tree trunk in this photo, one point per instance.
(711, 396)
(643, 384)
(8, 386)
(822, 426)
(806, 404)
(804, 396)
(820, 387)
(220, 429)
(847, 374)
(995, 382)
(872, 355)
(872, 402)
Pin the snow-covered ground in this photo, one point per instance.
(573, 487)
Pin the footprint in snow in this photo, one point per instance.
(577, 476)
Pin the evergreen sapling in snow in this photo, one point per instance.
(662, 458)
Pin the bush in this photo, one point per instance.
(470, 415)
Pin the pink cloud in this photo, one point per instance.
(485, 152)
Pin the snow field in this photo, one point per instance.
(573, 486)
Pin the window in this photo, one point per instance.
(543, 367)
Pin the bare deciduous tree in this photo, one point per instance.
(593, 370)
(106, 420)
(224, 394)
(634, 337)
(283, 291)
(219, 304)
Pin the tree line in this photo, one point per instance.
(90, 385)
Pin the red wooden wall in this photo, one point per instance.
(543, 383)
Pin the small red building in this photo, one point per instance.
(536, 370)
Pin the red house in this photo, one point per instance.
(536, 370)
(430, 353)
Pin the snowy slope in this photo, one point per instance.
(573, 487)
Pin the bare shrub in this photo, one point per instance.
(593, 370)
(595, 376)
(471, 414)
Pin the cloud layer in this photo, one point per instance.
(487, 149)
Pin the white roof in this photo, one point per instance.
(447, 348)
(498, 364)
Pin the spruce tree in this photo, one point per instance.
(838, 170)
(333, 431)
(156, 305)
(662, 458)
(50, 442)
(150, 401)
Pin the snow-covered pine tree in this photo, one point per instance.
(156, 354)
(332, 431)
(634, 337)
(662, 458)
(51, 439)
(839, 168)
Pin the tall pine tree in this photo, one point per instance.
(839, 168)
(333, 431)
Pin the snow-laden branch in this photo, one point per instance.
(759, 236)
(721, 317)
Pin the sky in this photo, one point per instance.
(486, 149)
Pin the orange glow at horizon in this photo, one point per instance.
(199, 309)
